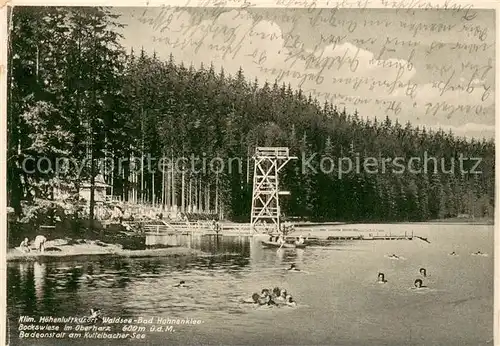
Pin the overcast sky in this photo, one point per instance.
(429, 67)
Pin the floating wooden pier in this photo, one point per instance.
(380, 237)
(323, 234)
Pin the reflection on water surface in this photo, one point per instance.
(339, 301)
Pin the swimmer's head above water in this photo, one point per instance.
(181, 284)
(418, 283)
(423, 272)
(381, 277)
(94, 313)
(255, 297)
(276, 291)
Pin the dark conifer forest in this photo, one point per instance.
(75, 92)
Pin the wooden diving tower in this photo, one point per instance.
(268, 161)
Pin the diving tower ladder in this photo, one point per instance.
(268, 161)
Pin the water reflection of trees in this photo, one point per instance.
(73, 287)
(218, 244)
(214, 244)
(35, 288)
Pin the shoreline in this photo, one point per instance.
(483, 222)
(112, 250)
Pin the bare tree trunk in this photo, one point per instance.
(153, 196)
(200, 197)
(112, 183)
(196, 194)
(163, 187)
(129, 186)
(168, 195)
(131, 192)
(142, 156)
(174, 197)
(207, 198)
(124, 190)
(190, 201)
(216, 193)
(135, 187)
(248, 166)
(183, 195)
(92, 189)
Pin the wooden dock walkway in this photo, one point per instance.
(198, 228)
(234, 229)
(349, 234)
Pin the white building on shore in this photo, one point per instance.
(100, 190)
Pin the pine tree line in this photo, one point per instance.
(76, 93)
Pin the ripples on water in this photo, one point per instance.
(339, 301)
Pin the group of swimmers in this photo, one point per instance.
(418, 283)
(274, 297)
(277, 296)
(453, 253)
(267, 297)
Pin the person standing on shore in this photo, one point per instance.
(40, 243)
(24, 246)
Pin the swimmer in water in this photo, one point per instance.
(394, 256)
(479, 253)
(254, 300)
(293, 268)
(263, 300)
(423, 272)
(266, 299)
(283, 295)
(418, 284)
(381, 278)
(290, 301)
(95, 315)
(181, 284)
(270, 301)
(276, 292)
(279, 296)
(453, 253)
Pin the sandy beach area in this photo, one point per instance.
(61, 248)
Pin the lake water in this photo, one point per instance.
(339, 301)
